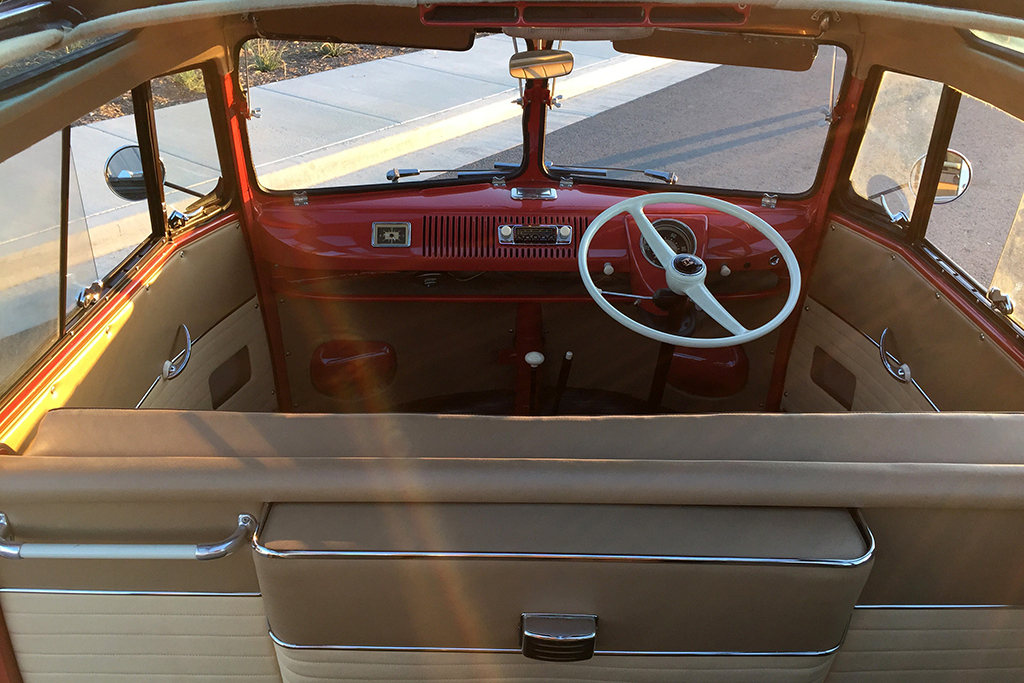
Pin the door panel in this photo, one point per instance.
(871, 288)
(241, 335)
(201, 285)
(810, 389)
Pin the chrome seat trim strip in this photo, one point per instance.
(869, 542)
(516, 651)
(79, 591)
(1020, 607)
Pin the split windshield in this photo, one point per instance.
(336, 115)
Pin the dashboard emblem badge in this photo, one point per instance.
(392, 234)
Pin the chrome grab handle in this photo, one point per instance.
(170, 369)
(118, 551)
(900, 373)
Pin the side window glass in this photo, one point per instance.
(104, 148)
(899, 129)
(112, 226)
(30, 199)
(974, 231)
(184, 131)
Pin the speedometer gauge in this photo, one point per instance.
(678, 235)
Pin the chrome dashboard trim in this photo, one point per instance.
(516, 651)
(869, 541)
(539, 193)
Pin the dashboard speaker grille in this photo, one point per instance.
(477, 237)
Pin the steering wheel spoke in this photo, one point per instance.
(700, 295)
(661, 248)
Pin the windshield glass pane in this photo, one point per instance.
(339, 114)
(1009, 42)
(723, 127)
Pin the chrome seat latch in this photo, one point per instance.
(558, 637)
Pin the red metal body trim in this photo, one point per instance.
(846, 110)
(9, 671)
(237, 109)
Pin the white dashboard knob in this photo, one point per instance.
(505, 230)
(534, 358)
(724, 271)
(609, 269)
(565, 232)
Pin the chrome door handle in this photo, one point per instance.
(900, 373)
(171, 370)
(125, 551)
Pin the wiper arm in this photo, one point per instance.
(664, 176)
(396, 174)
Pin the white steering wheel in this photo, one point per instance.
(685, 273)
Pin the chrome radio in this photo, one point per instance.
(533, 235)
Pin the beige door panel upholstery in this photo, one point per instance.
(872, 288)
(190, 390)
(932, 646)
(876, 390)
(316, 666)
(145, 638)
(198, 287)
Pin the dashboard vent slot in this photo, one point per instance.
(476, 237)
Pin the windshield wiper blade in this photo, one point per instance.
(664, 176)
(396, 174)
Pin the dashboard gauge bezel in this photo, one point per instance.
(673, 225)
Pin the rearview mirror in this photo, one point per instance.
(540, 64)
(953, 181)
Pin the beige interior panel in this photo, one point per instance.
(876, 390)
(932, 646)
(199, 286)
(145, 638)
(191, 390)
(872, 288)
(315, 666)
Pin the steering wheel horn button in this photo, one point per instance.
(688, 264)
(558, 637)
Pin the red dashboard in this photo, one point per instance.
(315, 245)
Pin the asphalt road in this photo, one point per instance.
(754, 129)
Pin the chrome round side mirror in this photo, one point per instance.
(953, 181)
(124, 174)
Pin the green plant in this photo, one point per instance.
(335, 49)
(267, 55)
(190, 80)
